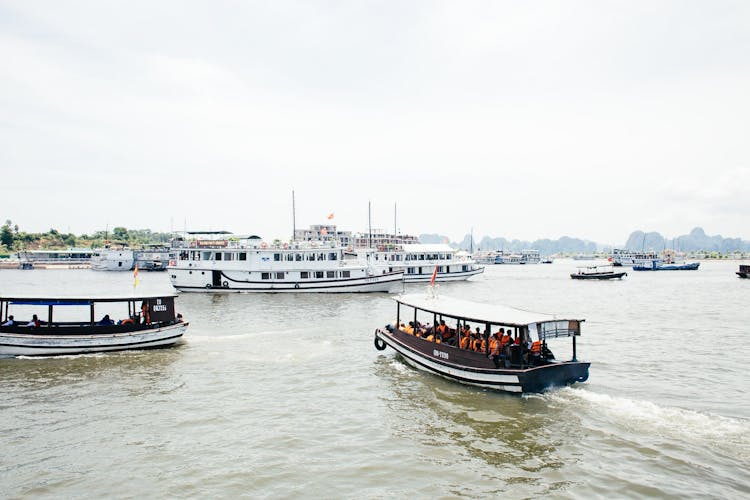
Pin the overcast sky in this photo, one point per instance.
(519, 119)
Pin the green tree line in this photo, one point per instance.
(12, 239)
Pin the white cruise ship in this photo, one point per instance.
(418, 261)
(250, 265)
(629, 258)
(112, 259)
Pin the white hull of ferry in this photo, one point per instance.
(40, 344)
(235, 281)
(443, 277)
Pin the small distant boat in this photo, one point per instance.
(598, 273)
(659, 265)
(518, 362)
(150, 323)
(744, 271)
(547, 261)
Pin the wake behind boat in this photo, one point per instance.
(149, 322)
(514, 359)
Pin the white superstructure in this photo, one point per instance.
(249, 265)
(112, 259)
(629, 258)
(418, 261)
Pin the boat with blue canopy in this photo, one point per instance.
(46, 330)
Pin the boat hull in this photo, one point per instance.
(668, 267)
(599, 276)
(743, 275)
(477, 369)
(43, 344)
(388, 283)
(443, 277)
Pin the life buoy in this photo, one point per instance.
(349, 248)
(380, 344)
(208, 285)
(226, 284)
(127, 321)
(296, 285)
(264, 245)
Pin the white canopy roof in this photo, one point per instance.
(477, 311)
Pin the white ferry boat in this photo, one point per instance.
(70, 258)
(250, 265)
(113, 259)
(418, 261)
(152, 257)
(630, 258)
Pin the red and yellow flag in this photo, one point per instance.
(135, 277)
(434, 275)
(330, 216)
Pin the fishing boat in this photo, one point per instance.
(523, 365)
(418, 261)
(660, 265)
(597, 273)
(146, 322)
(226, 263)
(744, 271)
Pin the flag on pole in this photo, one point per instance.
(135, 277)
(330, 216)
(434, 275)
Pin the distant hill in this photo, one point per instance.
(545, 246)
(697, 240)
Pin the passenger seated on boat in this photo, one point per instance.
(144, 313)
(10, 321)
(409, 329)
(126, 321)
(466, 339)
(479, 343)
(443, 331)
(35, 322)
(505, 339)
(105, 321)
(178, 318)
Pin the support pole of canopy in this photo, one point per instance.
(92, 313)
(49, 316)
(574, 348)
(398, 315)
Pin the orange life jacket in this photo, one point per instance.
(536, 347)
(465, 342)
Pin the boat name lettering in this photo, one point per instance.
(440, 354)
(160, 308)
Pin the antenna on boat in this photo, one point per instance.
(395, 226)
(369, 223)
(294, 219)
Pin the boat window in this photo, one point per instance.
(318, 274)
(346, 274)
(464, 268)
(304, 274)
(207, 255)
(228, 256)
(289, 257)
(277, 257)
(421, 256)
(217, 256)
(280, 276)
(332, 256)
(321, 256)
(440, 269)
(265, 276)
(330, 274)
(242, 256)
(309, 256)
(409, 270)
(298, 257)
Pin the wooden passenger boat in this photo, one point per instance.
(150, 323)
(658, 265)
(744, 271)
(598, 273)
(517, 369)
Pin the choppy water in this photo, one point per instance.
(285, 396)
